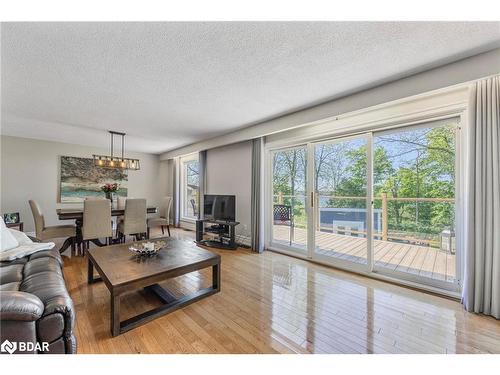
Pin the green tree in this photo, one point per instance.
(431, 174)
(353, 183)
(289, 168)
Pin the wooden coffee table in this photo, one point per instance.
(122, 272)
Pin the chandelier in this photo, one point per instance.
(113, 161)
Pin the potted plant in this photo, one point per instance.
(109, 189)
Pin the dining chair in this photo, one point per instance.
(164, 219)
(120, 205)
(44, 233)
(96, 221)
(134, 220)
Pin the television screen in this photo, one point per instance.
(219, 207)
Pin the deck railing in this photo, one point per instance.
(385, 234)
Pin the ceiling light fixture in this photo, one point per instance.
(112, 161)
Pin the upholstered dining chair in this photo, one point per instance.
(134, 220)
(120, 205)
(164, 219)
(96, 221)
(44, 233)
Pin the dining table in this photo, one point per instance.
(76, 214)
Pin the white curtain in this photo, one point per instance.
(481, 292)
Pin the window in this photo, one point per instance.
(190, 182)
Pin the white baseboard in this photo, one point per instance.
(243, 240)
(187, 225)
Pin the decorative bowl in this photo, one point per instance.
(142, 249)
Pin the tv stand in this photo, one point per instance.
(224, 229)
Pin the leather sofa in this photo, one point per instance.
(35, 306)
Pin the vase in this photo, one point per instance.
(108, 196)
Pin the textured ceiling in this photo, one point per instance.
(170, 84)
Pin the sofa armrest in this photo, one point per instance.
(20, 306)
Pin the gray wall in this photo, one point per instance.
(30, 170)
(229, 171)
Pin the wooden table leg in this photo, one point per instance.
(79, 236)
(115, 314)
(90, 272)
(170, 304)
(216, 277)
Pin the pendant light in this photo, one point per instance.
(113, 161)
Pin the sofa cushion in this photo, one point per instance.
(20, 306)
(18, 330)
(53, 253)
(10, 287)
(12, 273)
(16, 261)
(51, 289)
(50, 327)
(45, 264)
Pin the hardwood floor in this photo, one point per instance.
(272, 303)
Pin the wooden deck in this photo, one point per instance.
(419, 260)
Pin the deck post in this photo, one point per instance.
(280, 197)
(385, 224)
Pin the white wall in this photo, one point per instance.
(30, 170)
(229, 171)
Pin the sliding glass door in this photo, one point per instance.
(381, 202)
(414, 200)
(289, 211)
(341, 200)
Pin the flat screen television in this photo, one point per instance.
(219, 207)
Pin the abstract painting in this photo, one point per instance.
(80, 179)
